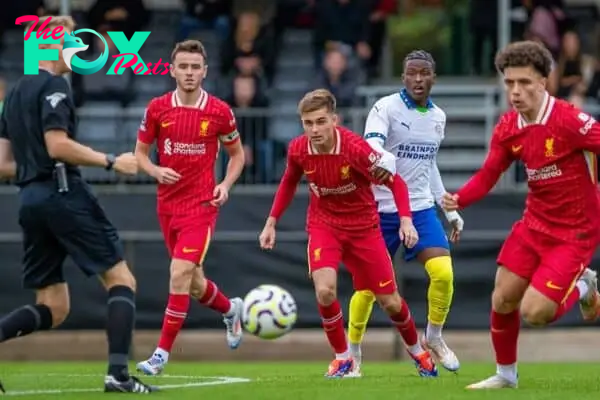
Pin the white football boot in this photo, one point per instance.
(233, 323)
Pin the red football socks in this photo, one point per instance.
(175, 315)
(405, 324)
(505, 336)
(567, 304)
(214, 299)
(333, 325)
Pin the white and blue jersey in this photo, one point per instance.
(413, 135)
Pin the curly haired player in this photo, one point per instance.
(541, 273)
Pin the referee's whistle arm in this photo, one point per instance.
(8, 167)
(61, 147)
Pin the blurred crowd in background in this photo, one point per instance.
(349, 40)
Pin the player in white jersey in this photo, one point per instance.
(410, 126)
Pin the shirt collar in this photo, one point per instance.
(410, 103)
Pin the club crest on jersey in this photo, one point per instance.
(345, 172)
(549, 146)
(204, 128)
(317, 254)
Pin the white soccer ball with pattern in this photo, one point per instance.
(269, 312)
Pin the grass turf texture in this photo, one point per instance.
(304, 381)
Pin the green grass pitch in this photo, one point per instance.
(290, 381)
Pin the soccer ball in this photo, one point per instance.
(269, 312)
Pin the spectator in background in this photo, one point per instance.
(381, 10)
(249, 52)
(102, 87)
(127, 16)
(546, 23)
(339, 77)
(266, 9)
(570, 70)
(484, 27)
(246, 93)
(345, 22)
(205, 14)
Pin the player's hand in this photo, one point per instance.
(408, 232)
(267, 237)
(126, 164)
(166, 176)
(381, 174)
(457, 223)
(220, 195)
(450, 202)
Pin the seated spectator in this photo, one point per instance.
(205, 14)
(246, 94)
(127, 16)
(342, 21)
(250, 49)
(103, 87)
(339, 77)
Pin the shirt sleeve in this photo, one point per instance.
(228, 132)
(377, 125)
(57, 106)
(149, 127)
(287, 187)
(496, 162)
(583, 129)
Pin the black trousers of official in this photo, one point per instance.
(57, 224)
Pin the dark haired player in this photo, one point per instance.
(188, 126)
(541, 273)
(411, 127)
(59, 215)
(343, 225)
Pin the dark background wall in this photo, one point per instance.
(237, 264)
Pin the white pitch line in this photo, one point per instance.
(217, 380)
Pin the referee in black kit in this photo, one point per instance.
(59, 215)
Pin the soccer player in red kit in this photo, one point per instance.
(343, 224)
(541, 273)
(189, 125)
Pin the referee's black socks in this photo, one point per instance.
(119, 330)
(25, 320)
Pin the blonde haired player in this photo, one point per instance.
(410, 126)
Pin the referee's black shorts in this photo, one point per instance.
(59, 224)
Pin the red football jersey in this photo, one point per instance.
(559, 152)
(339, 182)
(188, 140)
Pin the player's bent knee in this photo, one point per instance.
(536, 309)
(390, 303)
(56, 298)
(182, 274)
(503, 303)
(326, 294)
(440, 269)
(198, 286)
(119, 275)
(366, 295)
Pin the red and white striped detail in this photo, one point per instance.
(336, 149)
(175, 314)
(200, 103)
(543, 114)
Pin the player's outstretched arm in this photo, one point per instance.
(61, 147)
(283, 197)
(496, 162)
